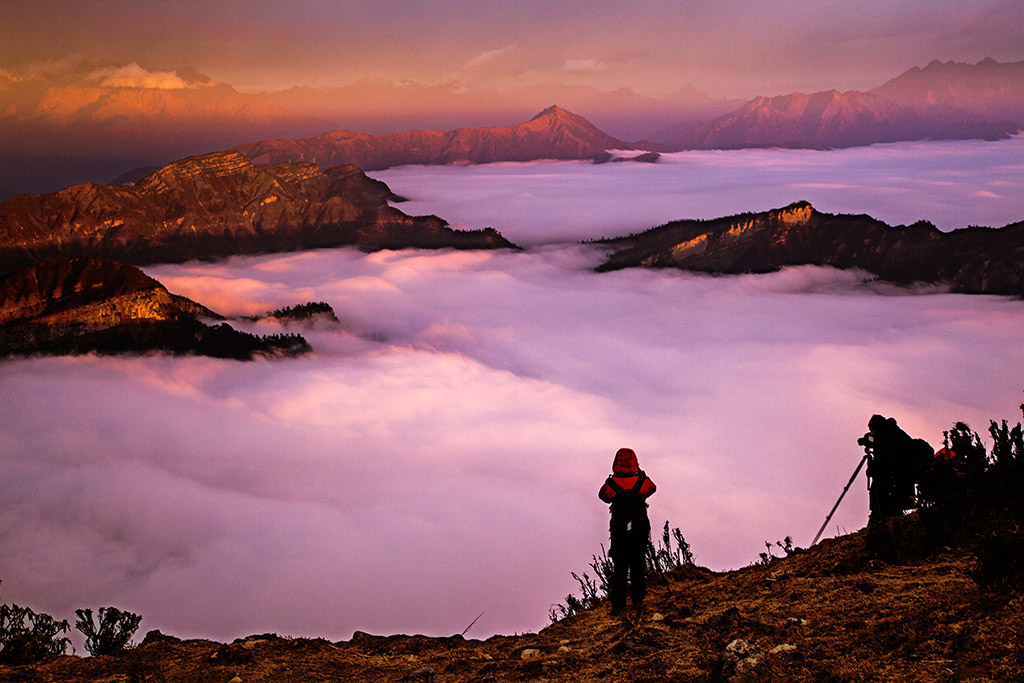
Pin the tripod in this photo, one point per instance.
(846, 488)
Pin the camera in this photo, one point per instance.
(867, 441)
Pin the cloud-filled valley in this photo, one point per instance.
(951, 184)
(440, 453)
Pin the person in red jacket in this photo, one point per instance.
(627, 490)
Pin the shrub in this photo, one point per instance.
(111, 633)
(27, 637)
(1007, 459)
(593, 590)
(661, 558)
(785, 544)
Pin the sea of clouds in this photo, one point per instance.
(952, 184)
(440, 452)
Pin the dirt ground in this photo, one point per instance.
(831, 614)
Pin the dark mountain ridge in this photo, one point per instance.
(219, 205)
(552, 134)
(81, 305)
(970, 260)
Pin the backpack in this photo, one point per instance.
(912, 468)
(629, 509)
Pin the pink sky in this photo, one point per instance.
(735, 48)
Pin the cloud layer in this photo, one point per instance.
(440, 454)
(134, 76)
(952, 184)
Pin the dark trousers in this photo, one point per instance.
(629, 568)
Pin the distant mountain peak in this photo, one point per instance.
(943, 100)
(554, 110)
(554, 133)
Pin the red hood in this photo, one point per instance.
(625, 462)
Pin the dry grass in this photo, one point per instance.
(848, 618)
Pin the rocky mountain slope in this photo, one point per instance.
(969, 260)
(552, 134)
(218, 205)
(829, 614)
(942, 101)
(81, 304)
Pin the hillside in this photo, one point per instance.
(969, 260)
(827, 614)
(219, 205)
(552, 134)
(79, 305)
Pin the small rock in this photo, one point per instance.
(657, 616)
(741, 662)
(236, 679)
(795, 621)
(529, 654)
(563, 648)
(425, 673)
(785, 647)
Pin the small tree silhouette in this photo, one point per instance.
(111, 633)
(27, 637)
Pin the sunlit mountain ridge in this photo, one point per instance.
(96, 121)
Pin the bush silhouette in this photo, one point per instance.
(111, 633)
(27, 637)
(661, 558)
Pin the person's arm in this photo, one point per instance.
(606, 493)
(647, 488)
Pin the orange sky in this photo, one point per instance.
(735, 48)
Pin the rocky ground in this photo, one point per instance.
(830, 614)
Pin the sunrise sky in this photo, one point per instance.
(440, 452)
(733, 48)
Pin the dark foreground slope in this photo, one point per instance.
(80, 305)
(219, 205)
(552, 134)
(970, 260)
(827, 614)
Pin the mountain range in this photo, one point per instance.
(941, 101)
(81, 305)
(217, 205)
(97, 121)
(970, 260)
(552, 134)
